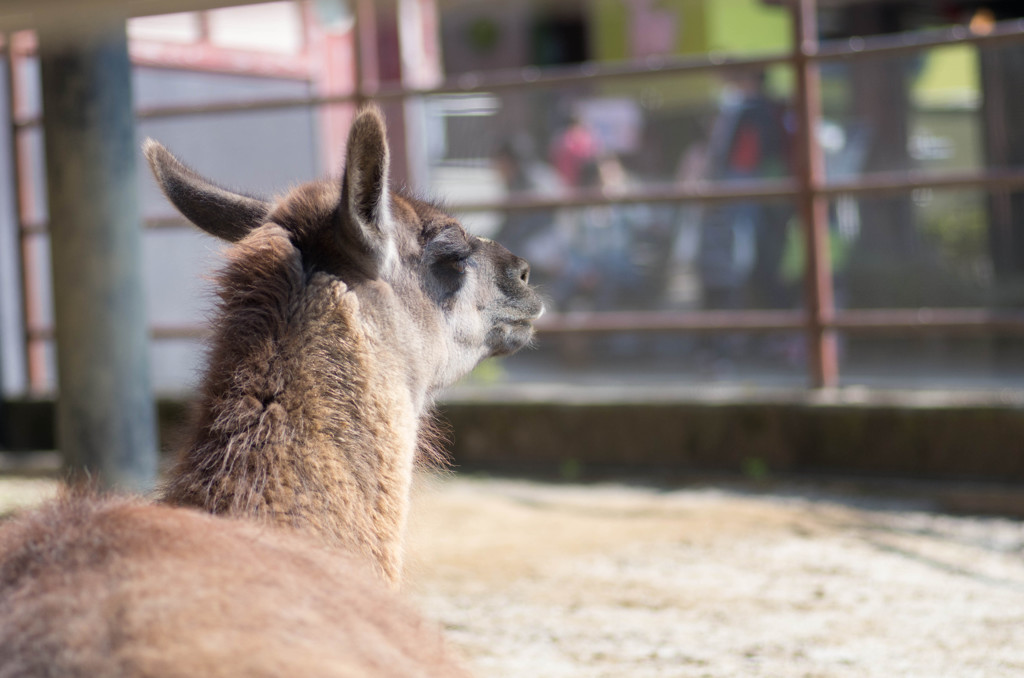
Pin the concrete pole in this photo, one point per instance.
(105, 412)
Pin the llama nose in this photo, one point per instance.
(521, 269)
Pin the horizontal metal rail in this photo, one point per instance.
(39, 228)
(775, 189)
(662, 321)
(468, 83)
(921, 320)
(875, 183)
(535, 78)
(932, 320)
(959, 321)
(899, 44)
(878, 183)
(704, 193)
(159, 332)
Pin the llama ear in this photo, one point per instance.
(364, 211)
(217, 211)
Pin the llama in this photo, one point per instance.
(344, 308)
(337, 326)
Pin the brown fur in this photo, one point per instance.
(118, 587)
(297, 422)
(343, 310)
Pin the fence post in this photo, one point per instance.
(813, 207)
(23, 192)
(105, 413)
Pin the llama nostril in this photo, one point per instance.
(524, 272)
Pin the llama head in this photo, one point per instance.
(438, 297)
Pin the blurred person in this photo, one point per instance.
(750, 139)
(522, 169)
(572, 150)
(750, 136)
(741, 244)
(611, 250)
(535, 233)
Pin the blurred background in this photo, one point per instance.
(797, 225)
(598, 139)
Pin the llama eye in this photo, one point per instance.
(450, 272)
(449, 258)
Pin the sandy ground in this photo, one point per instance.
(544, 581)
(540, 581)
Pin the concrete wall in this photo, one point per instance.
(967, 441)
(923, 435)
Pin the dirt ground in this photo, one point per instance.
(551, 580)
(541, 581)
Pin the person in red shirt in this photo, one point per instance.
(574, 148)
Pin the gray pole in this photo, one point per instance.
(106, 425)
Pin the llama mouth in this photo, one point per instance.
(509, 336)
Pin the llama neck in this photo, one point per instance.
(301, 425)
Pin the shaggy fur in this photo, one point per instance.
(343, 309)
(298, 425)
(117, 587)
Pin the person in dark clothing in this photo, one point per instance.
(742, 244)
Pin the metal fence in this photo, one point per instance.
(819, 320)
